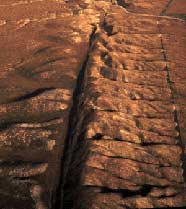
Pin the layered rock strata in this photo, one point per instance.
(43, 47)
(92, 105)
(129, 139)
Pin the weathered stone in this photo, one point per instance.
(127, 135)
(92, 104)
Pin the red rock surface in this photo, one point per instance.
(154, 7)
(92, 104)
(177, 7)
(43, 47)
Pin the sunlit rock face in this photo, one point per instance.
(92, 104)
(43, 48)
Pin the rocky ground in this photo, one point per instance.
(92, 104)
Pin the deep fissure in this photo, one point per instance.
(69, 144)
(175, 113)
(68, 203)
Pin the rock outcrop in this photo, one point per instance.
(92, 104)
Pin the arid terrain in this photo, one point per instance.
(92, 104)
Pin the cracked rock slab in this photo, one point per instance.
(42, 52)
(128, 143)
(92, 104)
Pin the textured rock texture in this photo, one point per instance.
(43, 48)
(92, 104)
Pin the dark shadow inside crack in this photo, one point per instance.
(32, 94)
(73, 160)
(123, 3)
(144, 191)
(73, 187)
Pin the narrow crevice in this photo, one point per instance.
(60, 202)
(175, 113)
(32, 94)
(163, 12)
(143, 191)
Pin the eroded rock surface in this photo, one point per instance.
(92, 104)
(43, 48)
(130, 131)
